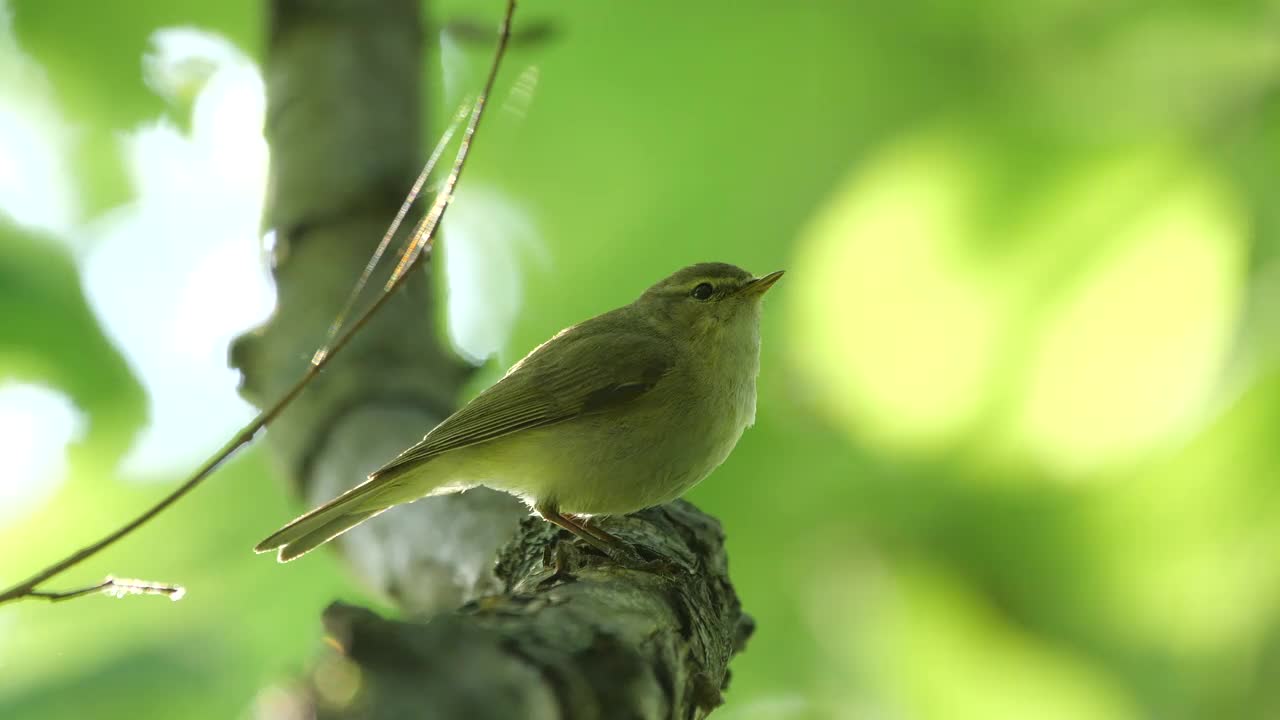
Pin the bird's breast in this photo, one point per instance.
(644, 453)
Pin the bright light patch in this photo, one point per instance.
(1073, 325)
(892, 321)
(487, 238)
(456, 66)
(178, 273)
(36, 424)
(36, 189)
(1130, 356)
(522, 92)
(182, 60)
(935, 648)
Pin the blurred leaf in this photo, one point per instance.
(928, 647)
(51, 336)
(1013, 259)
(1072, 319)
(1183, 553)
(92, 53)
(245, 622)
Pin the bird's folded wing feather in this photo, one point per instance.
(586, 372)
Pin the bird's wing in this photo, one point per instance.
(587, 372)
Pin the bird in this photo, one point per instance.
(621, 412)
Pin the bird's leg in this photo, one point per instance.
(587, 525)
(614, 549)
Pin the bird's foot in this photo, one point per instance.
(620, 552)
(656, 566)
(643, 558)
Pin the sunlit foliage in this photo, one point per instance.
(1017, 443)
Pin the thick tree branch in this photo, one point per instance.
(572, 637)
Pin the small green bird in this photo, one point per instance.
(619, 413)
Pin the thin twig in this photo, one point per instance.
(421, 244)
(116, 587)
(336, 326)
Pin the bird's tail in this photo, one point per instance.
(335, 517)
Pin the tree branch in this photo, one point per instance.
(572, 637)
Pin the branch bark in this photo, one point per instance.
(572, 636)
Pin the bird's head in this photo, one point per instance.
(708, 302)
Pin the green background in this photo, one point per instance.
(1017, 452)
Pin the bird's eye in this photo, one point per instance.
(702, 291)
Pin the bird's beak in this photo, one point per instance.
(759, 285)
